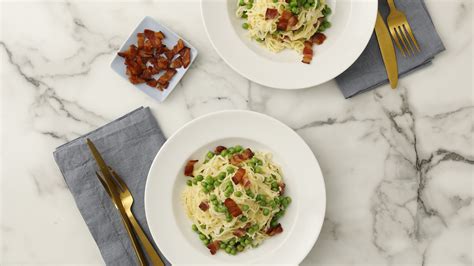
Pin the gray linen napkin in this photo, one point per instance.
(368, 72)
(129, 145)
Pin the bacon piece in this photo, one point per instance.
(152, 83)
(203, 206)
(160, 35)
(161, 87)
(292, 21)
(307, 52)
(162, 63)
(189, 168)
(283, 21)
(214, 246)
(167, 76)
(178, 46)
(219, 149)
(239, 174)
(248, 154)
(168, 53)
(148, 46)
(232, 207)
(274, 230)
(136, 80)
(151, 35)
(186, 55)
(245, 182)
(140, 40)
(247, 226)
(130, 53)
(271, 13)
(239, 232)
(282, 188)
(177, 63)
(318, 38)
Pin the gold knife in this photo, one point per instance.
(387, 50)
(116, 200)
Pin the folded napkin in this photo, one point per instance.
(368, 72)
(129, 145)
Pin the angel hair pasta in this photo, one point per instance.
(280, 24)
(234, 198)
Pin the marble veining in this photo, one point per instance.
(398, 164)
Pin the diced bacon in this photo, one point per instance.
(151, 35)
(232, 207)
(189, 168)
(214, 246)
(136, 80)
(152, 83)
(186, 55)
(168, 53)
(245, 182)
(140, 40)
(177, 63)
(248, 154)
(159, 35)
(204, 206)
(292, 21)
(167, 76)
(247, 226)
(161, 87)
(283, 21)
(219, 149)
(282, 188)
(271, 13)
(239, 174)
(318, 38)
(178, 47)
(239, 232)
(307, 52)
(162, 63)
(130, 53)
(274, 230)
(238, 158)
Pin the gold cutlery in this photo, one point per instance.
(127, 200)
(116, 200)
(387, 50)
(401, 31)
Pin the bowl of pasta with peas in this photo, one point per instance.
(222, 190)
(289, 44)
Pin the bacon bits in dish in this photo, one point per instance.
(152, 62)
(281, 24)
(235, 198)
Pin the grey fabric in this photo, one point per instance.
(368, 72)
(129, 145)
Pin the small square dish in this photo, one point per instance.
(170, 40)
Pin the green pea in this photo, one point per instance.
(293, 4)
(249, 5)
(285, 202)
(245, 207)
(245, 26)
(275, 1)
(209, 155)
(202, 236)
(247, 241)
(217, 183)
(260, 197)
(203, 226)
(228, 249)
(326, 24)
(199, 178)
(213, 197)
(266, 212)
(232, 150)
(249, 193)
(327, 11)
(208, 179)
(224, 153)
(240, 248)
(275, 189)
(205, 241)
(227, 194)
(232, 241)
(189, 182)
(295, 10)
(195, 228)
(288, 199)
(241, 3)
(221, 175)
(243, 219)
(228, 219)
(238, 148)
(307, 5)
(229, 189)
(223, 245)
(238, 194)
(230, 169)
(205, 190)
(258, 169)
(244, 15)
(195, 182)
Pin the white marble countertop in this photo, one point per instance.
(398, 164)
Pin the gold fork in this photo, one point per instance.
(127, 202)
(401, 31)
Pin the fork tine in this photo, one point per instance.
(403, 30)
(402, 41)
(397, 42)
(412, 37)
(118, 179)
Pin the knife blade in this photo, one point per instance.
(104, 169)
(387, 50)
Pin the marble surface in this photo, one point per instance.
(398, 164)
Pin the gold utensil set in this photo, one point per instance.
(400, 30)
(123, 201)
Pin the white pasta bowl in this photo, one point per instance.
(352, 26)
(171, 228)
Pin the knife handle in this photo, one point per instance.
(135, 244)
(150, 250)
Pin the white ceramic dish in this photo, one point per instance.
(118, 66)
(352, 25)
(170, 227)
